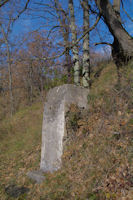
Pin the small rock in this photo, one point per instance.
(36, 176)
(15, 191)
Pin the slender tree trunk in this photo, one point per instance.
(62, 17)
(86, 52)
(30, 82)
(12, 110)
(9, 71)
(75, 47)
(41, 82)
(122, 47)
(68, 62)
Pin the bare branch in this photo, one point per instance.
(90, 29)
(70, 47)
(26, 5)
(3, 3)
(50, 6)
(126, 13)
(44, 58)
(103, 43)
(53, 29)
(44, 10)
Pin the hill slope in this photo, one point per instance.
(97, 162)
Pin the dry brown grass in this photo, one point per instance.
(97, 161)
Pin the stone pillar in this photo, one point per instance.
(57, 102)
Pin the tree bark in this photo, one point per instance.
(122, 47)
(116, 5)
(86, 52)
(62, 17)
(30, 82)
(68, 62)
(75, 47)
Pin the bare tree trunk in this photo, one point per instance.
(41, 81)
(30, 81)
(12, 110)
(75, 47)
(116, 5)
(86, 52)
(122, 47)
(62, 17)
(9, 71)
(68, 62)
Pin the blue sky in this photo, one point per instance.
(28, 23)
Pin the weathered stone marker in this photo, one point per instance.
(57, 103)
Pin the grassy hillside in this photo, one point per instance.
(97, 162)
